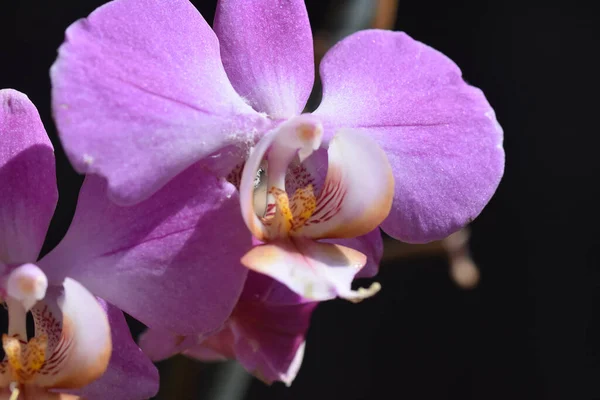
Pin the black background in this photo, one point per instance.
(531, 330)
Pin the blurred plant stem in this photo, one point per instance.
(455, 248)
(230, 383)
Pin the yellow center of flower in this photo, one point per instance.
(290, 215)
(25, 359)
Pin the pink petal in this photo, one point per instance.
(140, 94)
(130, 374)
(267, 51)
(270, 334)
(165, 261)
(357, 194)
(440, 134)
(265, 333)
(28, 193)
(315, 271)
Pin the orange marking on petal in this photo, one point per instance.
(282, 220)
(304, 203)
(25, 359)
(12, 348)
(35, 353)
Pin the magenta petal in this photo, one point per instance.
(140, 94)
(28, 193)
(370, 245)
(130, 374)
(266, 332)
(270, 334)
(274, 353)
(440, 134)
(166, 261)
(267, 51)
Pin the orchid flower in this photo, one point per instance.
(143, 89)
(72, 344)
(266, 333)
(141, 259)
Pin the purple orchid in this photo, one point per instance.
(143, 89)
(142, 259)
(266, 333)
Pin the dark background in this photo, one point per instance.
(531, 329)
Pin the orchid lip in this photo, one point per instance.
(314, 270)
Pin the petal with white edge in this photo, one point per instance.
(316, 271)
(441, 135)
(270, 329)
(79, 340)
(358, 191)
